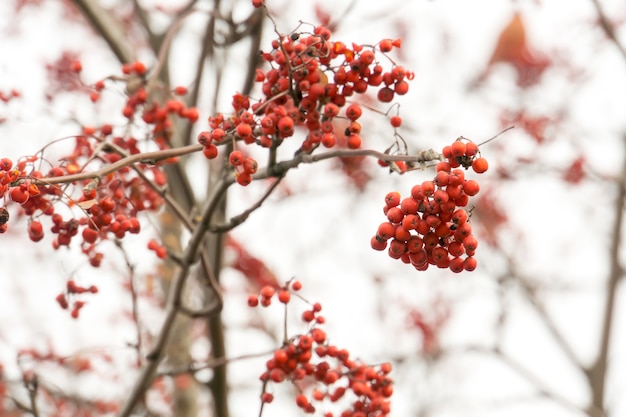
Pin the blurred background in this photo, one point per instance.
(537, 329)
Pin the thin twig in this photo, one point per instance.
(608, 28)
(240, 218)
(193, 368)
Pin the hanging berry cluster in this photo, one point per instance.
(325, 371)
(431, 226)
(70, 294)
(309, 81)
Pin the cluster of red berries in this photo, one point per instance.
(431, 227)
(157, 115)
(310, 361)
(109, 205)
(309, 82)
(73, 289)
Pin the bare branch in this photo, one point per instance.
(107, 26)
(608, 28)
(147, 373)
(598, 372)
(143, 158)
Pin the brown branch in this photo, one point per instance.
(531, 295)
(240, 218)
(598, 371)
(142, 384)
(108, 27)
(608, 28)
(143, 158)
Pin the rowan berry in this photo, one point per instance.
(354, 141)
(470, 243)
(457, 148)
(396, 121)
(402, 234)
(296, 285)
(396, 248)
(386, 45)
(401, 88)
(354, 111)
(457, 176)
(427, 188)
(236, 158)
(377, 243)
(328, 140)
(395, 215)
(244, 130)
(331, 110)
(385, 95)
(284, 296)
(210, 152)
(267, 291)
(35, 231)
(456, 265)
(244, 178)
(462, 201)
(90, 235)
(464, 230)
(469, 264)
(442, 179)
(385, 231)
(459, 217)
(455, 191)
(410, 221)
(392, 199)
(409, 205)
(218, 134)
(471, 187)
(471, 149)
(266, 397)
(180, 90)
(62, 301)
(480, 165)
(441, 196)
(6, 164)
(302, 401)
(414, 244)
(277, 375)
(19, 194)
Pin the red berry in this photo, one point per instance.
(354, 141)
(471, 149)
(480, 165)
(396, 121)
(244, 130)
(236, 158)
(90, 235)
(385, 231)
(392, 199)
(244, 178)
(469, 264)
(401, 88)
(457, 148)
(19, 194)
(302, 401)
(471, 187)
(353, 112)
(385, 95)
(210, 152)
(284, 296)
